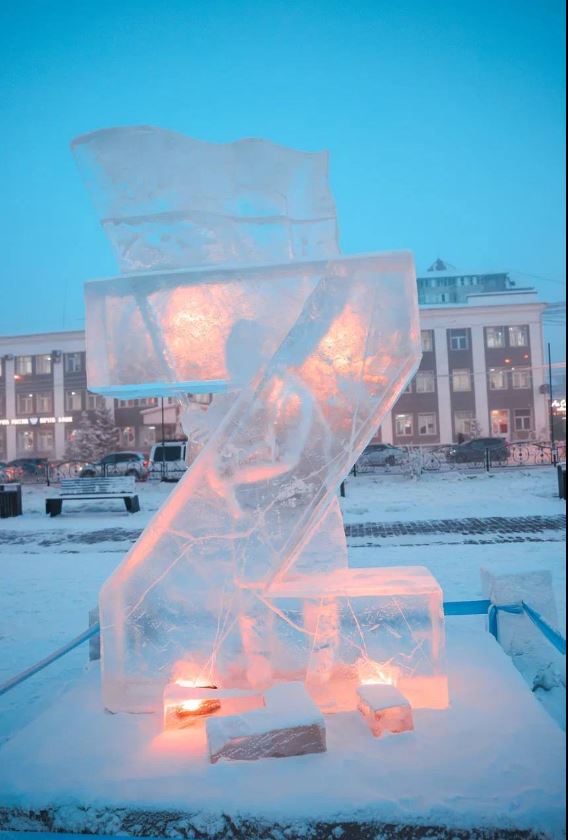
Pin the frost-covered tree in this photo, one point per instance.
(81, 445)
(107, 434)
(94, 436)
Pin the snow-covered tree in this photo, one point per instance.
(106, 433)
(94, 436)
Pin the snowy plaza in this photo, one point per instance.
(283, 420)
(498, 734)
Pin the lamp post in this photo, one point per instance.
(551, 408)
(163, 443)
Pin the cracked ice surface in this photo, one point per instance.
(305, 354)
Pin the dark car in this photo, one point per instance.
(119, 463)
(381, 455)
(22, 468)
(474, 450)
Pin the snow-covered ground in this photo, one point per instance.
(52, 569)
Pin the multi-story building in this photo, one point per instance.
(43, 394)
(482, 372)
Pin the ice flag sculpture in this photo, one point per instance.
(233, 285)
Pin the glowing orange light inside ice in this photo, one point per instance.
(190, 705)
(377, 673)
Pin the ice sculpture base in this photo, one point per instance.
(78, 769)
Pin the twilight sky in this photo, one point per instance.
(444, 121)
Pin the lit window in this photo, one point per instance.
(498, 380)
(147, 436)
(43, 364)
(403, 425)
(495, 337)
(44, 403)
(128, 436)
(500, 422)
(427, 424)
(73, 401)
(23, 365)
(463, 423)
(24, 441)
(523, 420)
(427, 341)
(461, 380)
(519, 336)
(425, 382)
(459, 340)
(521, 379)
(24, 403)
(73, 363)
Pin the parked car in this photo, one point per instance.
(119, 463)
(168, 460)
(474, 450)
(381, 455)
(24, 468)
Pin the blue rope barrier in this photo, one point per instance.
(547, 631)
(93, 630)
(466, 607)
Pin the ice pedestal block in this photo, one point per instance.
(233, 285)
(385, 709)
(290, 724)
(353, 627)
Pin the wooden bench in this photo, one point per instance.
(98, 487)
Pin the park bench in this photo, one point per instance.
(98, 487)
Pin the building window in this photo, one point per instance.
(425, 382)
(73, 401)
(24, 441)
(519, 336)
(461, 380)
(95, 401)
(24, 365)
(459, 340)
(44, 403)
(521, 379)
(73, 363)
(498, 380)
(523, 420)
(427, 424)
(463, 423)
(500, 422)
(408, 389)
(43, 364)
(495, 337)
(403, 425)
(45, 440)
(25, 403)
(147, 437)
(427, 340)
(128, 436)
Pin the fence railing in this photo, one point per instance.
(391, 459)
(418, 459)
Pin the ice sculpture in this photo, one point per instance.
(233, 285)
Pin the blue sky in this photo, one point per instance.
(444, 121)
